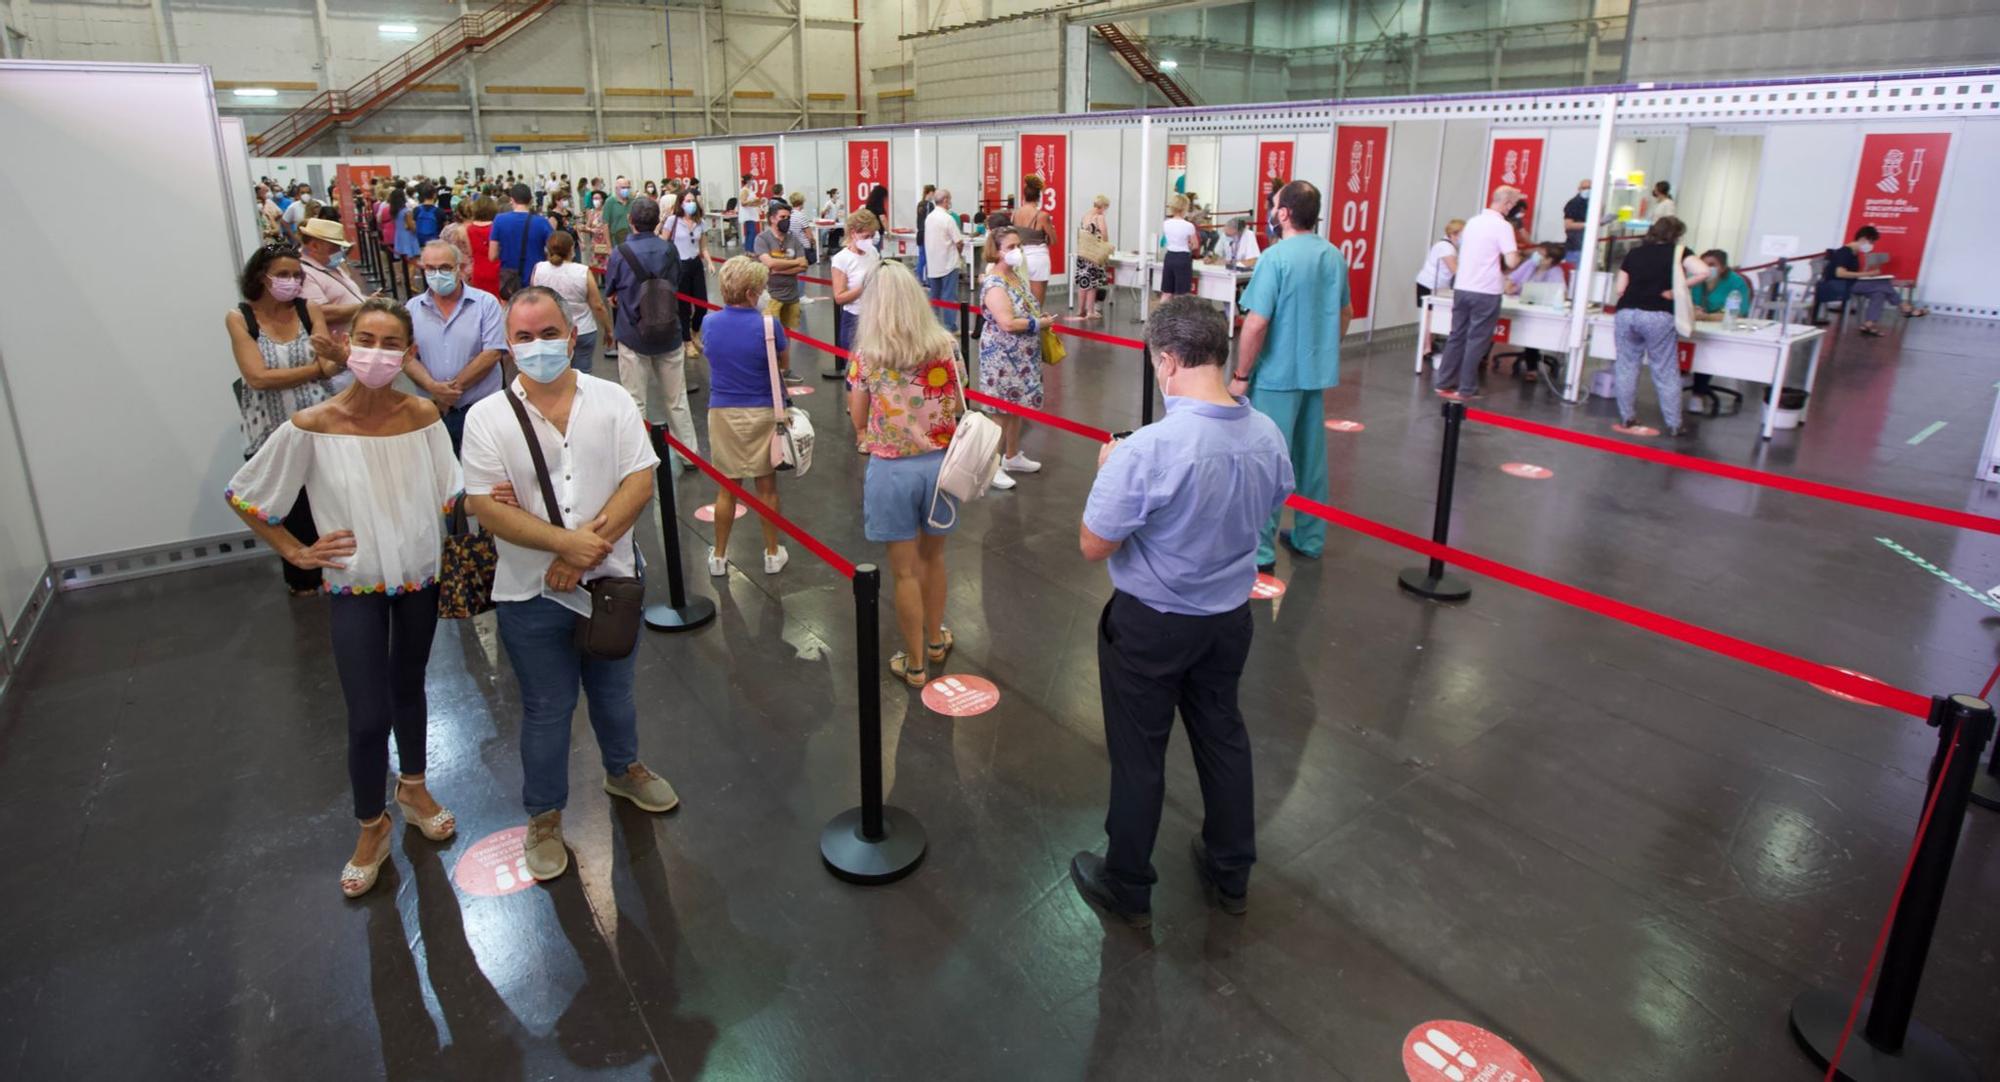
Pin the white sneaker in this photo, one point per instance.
(1021, 464)
(1001, 481)
(717, 565)
(775, 562)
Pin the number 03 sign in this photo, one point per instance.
(1360, 162)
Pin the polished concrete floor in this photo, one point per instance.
(1624, 855)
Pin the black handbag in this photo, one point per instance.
(617, 602)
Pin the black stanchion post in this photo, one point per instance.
(873, 843)
(1146, 385)
(1892, 1048)
(1986, 786)
(1433, 581)
(681, 612)
(964, 332)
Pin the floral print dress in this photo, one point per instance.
(1010, 365)
(1089, 275)
(910, 413)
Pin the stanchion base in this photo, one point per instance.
(1446, 587)
(1986, 790)
(1817, 1019)
(696, 613)
(858, 860)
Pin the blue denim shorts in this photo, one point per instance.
(896, 498)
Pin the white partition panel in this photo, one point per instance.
(1956, 273)
(1312, 160)
(832, 156)
(1235, 174)
(24, 555)
(957, 168)
(1567, 156)
(1409, 219)
(145, 465)
(242, 187)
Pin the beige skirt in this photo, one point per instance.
(739, 441)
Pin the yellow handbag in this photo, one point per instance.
(1053, 351)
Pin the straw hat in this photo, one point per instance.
(327, 230)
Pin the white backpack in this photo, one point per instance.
(971, 460)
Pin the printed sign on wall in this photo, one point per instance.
(1354, 214)
(867, 170)
(1896, 191)
(758, 163)
(992, 174)
(680, 162)
(1045, 156)
(1516, 163)
(1274, 168)
(1177, 167)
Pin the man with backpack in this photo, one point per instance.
(428, 216)
(639, 284)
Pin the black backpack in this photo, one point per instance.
(256, 332)
(657, 314)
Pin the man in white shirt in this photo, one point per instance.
(599, 462)
(941, 258)
(1486, 251)
(1239, 244)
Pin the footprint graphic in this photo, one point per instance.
(1439, 1051)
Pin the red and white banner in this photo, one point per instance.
(992, 176)
(1045, 156)
(1177, 167)
(1896, 191)
(1274, 168)
(1515, 163)
(680, 162)
(759, 163)
(867, 170)
(1354, 214)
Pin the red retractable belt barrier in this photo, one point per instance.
(818, 548)
(815, 281)
(1097, 336)
(1886, 695)
(1852, 497)
(817, 344)
(1052, 420)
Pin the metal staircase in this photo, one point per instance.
(329, 108)
(1134, 53)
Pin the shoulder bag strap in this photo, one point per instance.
(250, 320)
(305, 314)
(527, 221)
(632, 261)
(771, 358)
(549, 501)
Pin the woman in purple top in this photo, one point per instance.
(742, 414)
(1545, 264)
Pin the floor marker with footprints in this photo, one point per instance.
(1448, 1051)
(961, 696)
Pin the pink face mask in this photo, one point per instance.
(375, 368)
(285, 289)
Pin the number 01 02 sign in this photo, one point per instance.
(1360, 161)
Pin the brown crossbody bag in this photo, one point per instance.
(617, 602)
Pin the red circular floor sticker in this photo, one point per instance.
(1635, 430)
(1844, 696)
(961, 696)
(1528, 470)
(1446, 1051)
(1267, 588)
(706, 512)
(1344, 426)
(495, 865)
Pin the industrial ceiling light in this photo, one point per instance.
(256, 92)
(1169, 65)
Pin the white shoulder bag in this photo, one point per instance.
(792, 441)
(971, 460)
(1683, 300)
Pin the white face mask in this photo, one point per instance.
(1013, 258)
(865, 244)
(1864, 245)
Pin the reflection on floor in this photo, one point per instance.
(1624, 855)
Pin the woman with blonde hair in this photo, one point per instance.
(1010, 348)
(1182, 239)
(1090, 277)
(741, 415)
(852, 266)
(906, 392)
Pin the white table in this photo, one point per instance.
(1532, 326)
(1754, 351)
(1212, 281)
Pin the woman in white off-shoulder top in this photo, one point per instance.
(378, 467)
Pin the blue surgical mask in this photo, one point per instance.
(1276, 230)
(543, 359)
(442, 281)
(335, 260)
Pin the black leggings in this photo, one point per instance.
(381, 645)
(694, 283)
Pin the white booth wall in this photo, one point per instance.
(122, 395)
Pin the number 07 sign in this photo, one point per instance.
(1360, 162)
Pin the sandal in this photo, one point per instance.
(1873, 332)
(940, 650)
(439, 827)
(900, 665)
(358, 879)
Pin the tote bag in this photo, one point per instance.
(792, 441)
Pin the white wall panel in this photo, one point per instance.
(958, 168)
(1235, 177)
(1312, 160)
(832, 158)
(1567, 155)
(1407, 219)
(242, 188)
(169, 437)
(1958, 265)
(1802, 191)
(23, 557)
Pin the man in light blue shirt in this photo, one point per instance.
(1298, 308)
(460, 334)
(1175, 513)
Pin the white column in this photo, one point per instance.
(1586, 267)
(707, 107)
(1145, 200)
(596, 79)
(479, 143)
(163, 32)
